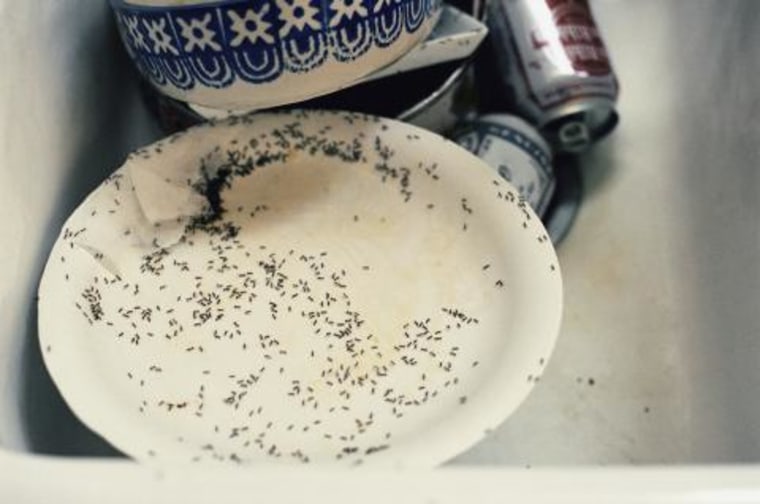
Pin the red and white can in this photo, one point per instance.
(553, 59)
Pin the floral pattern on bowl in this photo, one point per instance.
(250, 53)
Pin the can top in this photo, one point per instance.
(577, 130)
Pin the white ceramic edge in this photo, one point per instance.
(492, 408)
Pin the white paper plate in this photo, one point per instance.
(369, 293)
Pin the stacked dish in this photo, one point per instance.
(235, 54)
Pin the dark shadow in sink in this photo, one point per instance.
(598, 165)
(103, 139)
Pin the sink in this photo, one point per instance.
(658, 361)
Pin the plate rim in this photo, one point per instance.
(433, 455)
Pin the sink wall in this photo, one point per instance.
(70, 114)
(662, 268)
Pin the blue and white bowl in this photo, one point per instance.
(263, 53)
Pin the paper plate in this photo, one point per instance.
(318, 287)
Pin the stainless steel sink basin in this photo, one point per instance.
(658, 361)
(659, 357)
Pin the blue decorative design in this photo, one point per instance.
(388, 25)
(257, 67)
(199, 33)
(151, 68)
(177, 72)
(304, 54)
(216, 44)
(350, 42)
(212, 71)
(414, 14)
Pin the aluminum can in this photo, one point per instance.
(553, 60)
(516, 151)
